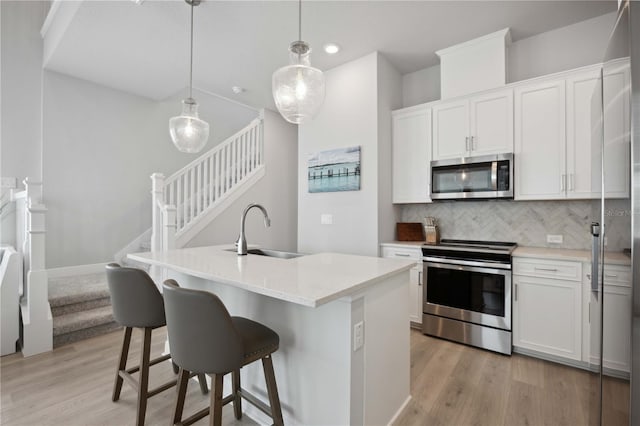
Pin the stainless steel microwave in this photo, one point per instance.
(489, 176)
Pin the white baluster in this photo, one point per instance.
(192, 194)
(218, 175)
(198, 192)
(185, 206)
(260, 142)
(211, 159)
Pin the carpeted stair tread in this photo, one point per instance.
(82, 320)
(85, 333)
(76, 289)
(80, 306)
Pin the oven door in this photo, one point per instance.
(464, 291)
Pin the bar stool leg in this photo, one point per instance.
(202, 379)
(272, 390)
(237, 399)
(183, 381)
(143, 389)
(122, 364)
(215, 414)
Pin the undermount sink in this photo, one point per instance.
(272, 253)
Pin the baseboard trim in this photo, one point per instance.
(400, 410)
(68, 271)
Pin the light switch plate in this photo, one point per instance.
(326, 219)
(554, 239)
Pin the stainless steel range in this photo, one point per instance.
(467, 295)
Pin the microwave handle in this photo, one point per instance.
(494, 175)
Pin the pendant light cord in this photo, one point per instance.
(300, 20)
(191, 58)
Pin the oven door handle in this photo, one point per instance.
(466, 265)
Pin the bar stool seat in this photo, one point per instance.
(137, 303)
(204, 338)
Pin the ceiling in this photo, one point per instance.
(144, 49)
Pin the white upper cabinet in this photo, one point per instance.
(478, 125)
(411, 155)
(558, 135)
(583, 139)
(540, 169)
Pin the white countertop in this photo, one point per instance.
(610, 257)
(310, 280)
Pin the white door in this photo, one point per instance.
(581, 89)
(411, 156)
(451, 130)
(547, 316)
(539, 155)
(491, 123)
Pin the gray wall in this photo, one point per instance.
(21, 88)
(100, 147)
(525, 222)
(561, 49)
(276, 191)
(350, 117)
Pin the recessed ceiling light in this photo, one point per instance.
(331, 48)
(237, 89)
(138, 2)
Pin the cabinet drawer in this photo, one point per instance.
(548, 268)
(402, 253)
(617, 275)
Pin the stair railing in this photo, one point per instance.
(180, 200)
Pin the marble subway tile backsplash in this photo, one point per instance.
(525, 222)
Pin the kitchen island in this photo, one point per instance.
(329, 370)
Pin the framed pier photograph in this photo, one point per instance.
(334, 170)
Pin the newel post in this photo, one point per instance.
(157, 201)
(35, 310)
(169, 228)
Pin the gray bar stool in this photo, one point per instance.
(137, 303)
(204, 338)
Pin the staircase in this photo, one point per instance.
(81, 307)
(183, 204)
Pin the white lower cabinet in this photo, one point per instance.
(416, 276)
(547, 307)
(616, 319)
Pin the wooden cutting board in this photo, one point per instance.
(409, 231)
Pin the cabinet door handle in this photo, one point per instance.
(473, 144)
(611, 275)
(515, 293)
(545, 269)
(466, 143)
(419, 277)
(402, 255)
(571, 182)
(562, 182)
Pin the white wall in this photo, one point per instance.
(389, 98)
(276, 191)
(557, 50)
(21, 87)
(100, 147)
(350, 116)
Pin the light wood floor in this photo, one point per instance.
(451, 384)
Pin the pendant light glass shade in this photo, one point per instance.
(188, 132)
(298, 88)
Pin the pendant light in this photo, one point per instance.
(298, 88)
(188, 132)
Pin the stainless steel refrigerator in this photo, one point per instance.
(614, 311)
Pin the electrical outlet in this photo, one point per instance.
(554, 239)
(326, 219)
(358, 336)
